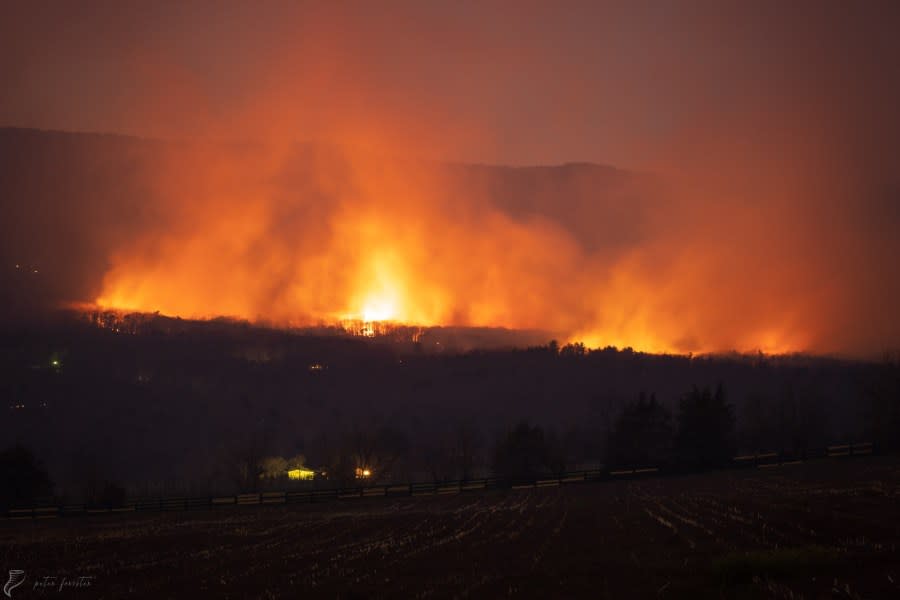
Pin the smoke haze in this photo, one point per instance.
(755, 206)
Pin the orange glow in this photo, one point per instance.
(371, 241)
(307, 165)
(378, 293)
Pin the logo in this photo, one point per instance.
(16, 577)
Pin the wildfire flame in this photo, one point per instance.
(326, 162)
(379, 295)
(372, 241)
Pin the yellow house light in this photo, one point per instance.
(301, 474)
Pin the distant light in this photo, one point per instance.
(54, 362)
(301, 473)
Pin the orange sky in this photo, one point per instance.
(771, 133)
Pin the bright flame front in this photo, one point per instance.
(373, 244)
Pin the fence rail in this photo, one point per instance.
(393, 490)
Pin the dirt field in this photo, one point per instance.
(824, 530)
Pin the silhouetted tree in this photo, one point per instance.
(643, 434)
(759, 431)
(274, 467)
(801, 422)
(564, 450)
(452, 452)
(99, 484)
(22, 478)
(705, 429)
(522, 455)
(199, 384)
(603, 407)
(244, 461)
(367, 455)
(572, 350)
(437, 459)
(883, 404)
(467, 449)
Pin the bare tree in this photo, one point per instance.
(467, 450)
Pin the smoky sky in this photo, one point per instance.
(511, 83)
(771, 126)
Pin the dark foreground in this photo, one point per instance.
(828, 529)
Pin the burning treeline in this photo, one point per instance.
(308, 234)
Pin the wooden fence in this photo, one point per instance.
(182, 503)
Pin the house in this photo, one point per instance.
(301, 473)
